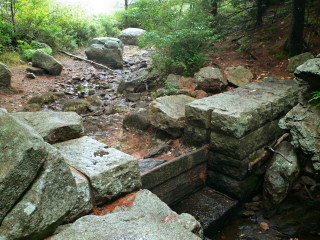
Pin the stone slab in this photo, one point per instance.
(240, 190)
(196, 135)
(53, 126)
(233, 115)
(111, 172)
(146, 218)
(233, 167)
(240, 148)
(173, 168)
(209, 207)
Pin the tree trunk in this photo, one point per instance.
(294, 44)
(126, 5)
(260, 11)
(214, 7)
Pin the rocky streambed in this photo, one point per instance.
(148, 135)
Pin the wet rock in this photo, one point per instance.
(147, 218)
(235, 168)
(5, 75)
(45, 98)
(168, 113)
(107, 51)
(84, 202)
(76, 105)
(310, 72)
(94, 100)
(238, 76)
(280, 176)
(199, 94)
(36, 71)
(243, 110)
(131, 35)
(232, 187)
(100, 164)
(46, 202)
(137, 120)
(158, 151)
(240, 148)
(209, 207)
(147, 164)
(195, 135)
(30, 75)
(48, 63)
(174, 80)
(303, 123)
(144, 80)
(210, 79)
(53, 126)
(133, 97)
(22, 153)
(298, 60)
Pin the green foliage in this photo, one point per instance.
(316, 98)
(29, 49)
(178, 33)
(110, 25)
(170, 89)
(10, 58)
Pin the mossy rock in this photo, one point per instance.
(76, 105)
(94, 100)
(33, 107)
(45, 98)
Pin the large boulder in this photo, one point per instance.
(168, 113)
(35, 183)
(53, 126)
(238, 76)
(298, 60)
(22, 153)
(131, 35)
(303, 123)
(106, 50)
(5, 75)
(111, 172)
(48, 63)
(280, 176)
(310, 72)
(147, 217)
(210, 79)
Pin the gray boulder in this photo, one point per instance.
(36, 186)
(131, 35)
(298, 60)
(48, 63)
(84, 203)
(168, 113)
(45, 204)
(22, 153)
(5, 75)
(174, 80)
(280, 176)
(137, 120)
(111, 172)
(147, 218)
(210, 79)
(238, 76)
(303, 124)
(107, 51)
(310, 72)
(53, 126)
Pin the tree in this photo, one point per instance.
(294, 44)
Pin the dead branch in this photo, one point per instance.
(86, 60)
(270, 148)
